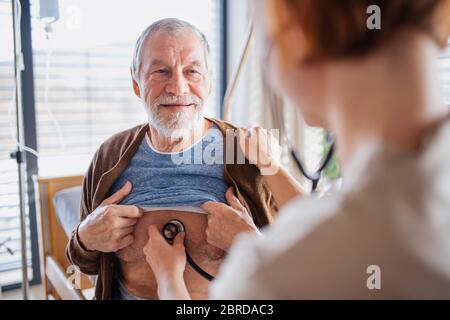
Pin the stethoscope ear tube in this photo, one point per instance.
(276, 108)
(315, 177)
(277, 115)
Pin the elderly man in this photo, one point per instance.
(133, 181)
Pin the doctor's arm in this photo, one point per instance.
(168, 263)
(262, 149)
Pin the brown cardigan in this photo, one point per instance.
(112, 158)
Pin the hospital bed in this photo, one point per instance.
(58, 209)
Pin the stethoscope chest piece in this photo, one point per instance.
(169, 232)
(171, 229)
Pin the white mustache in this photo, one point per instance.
(181, 100)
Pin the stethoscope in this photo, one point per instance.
(169, 232)
(277, 116)
(314, 177)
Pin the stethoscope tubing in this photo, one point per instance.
(179, 227)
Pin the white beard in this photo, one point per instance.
(175, 125)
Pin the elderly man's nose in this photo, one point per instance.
(177, 85)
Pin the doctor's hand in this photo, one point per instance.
(261, 148)
(168, 262)
(110, 227)
(225, 222)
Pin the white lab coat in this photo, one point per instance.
(386, 234)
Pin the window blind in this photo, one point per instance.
(83, 91)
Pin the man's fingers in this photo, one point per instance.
(119, 195)
(125, 241)
(213, 207)
(234, 202)
(133, 212)
(125, 231)
(121, 222)
(218, 208)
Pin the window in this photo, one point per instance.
(82, 81)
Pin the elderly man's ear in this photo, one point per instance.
(136, 89)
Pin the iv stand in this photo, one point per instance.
(19, 153)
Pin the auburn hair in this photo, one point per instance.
(338, 28)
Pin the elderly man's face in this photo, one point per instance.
(174, 82)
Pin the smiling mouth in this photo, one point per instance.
(177, 105)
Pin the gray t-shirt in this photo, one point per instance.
(176, 181)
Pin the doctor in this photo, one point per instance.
(387, 233)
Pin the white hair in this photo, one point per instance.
(171, 26)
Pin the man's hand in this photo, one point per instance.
(109, 227)
(226, 222)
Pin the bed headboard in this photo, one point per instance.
(53, 239)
